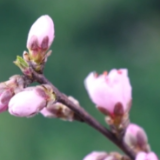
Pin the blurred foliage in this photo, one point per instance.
(90, 35)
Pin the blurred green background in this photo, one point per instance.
(90, 35)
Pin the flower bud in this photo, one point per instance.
(8, 89)
(41, 34)
(112, 92)
(96, 156)
(27, 103)
(116, 156)
(59, 110)
(146, 156)
(136, 138)
(40, 38)
(4, 99)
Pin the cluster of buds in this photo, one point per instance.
(21, 101)
(27, 102)
(112, 94)
(136, 139)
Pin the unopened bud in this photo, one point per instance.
(59, 110)
(96, 156)
(110, 158)
(146, 156)
(7, 89)
(115, 156)
(27, 103)
(40, 38)
(4, 99)
(136, 138)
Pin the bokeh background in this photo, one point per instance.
(92, 35)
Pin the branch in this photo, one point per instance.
(40, 78)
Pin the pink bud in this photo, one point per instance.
(26, 103)
(58, 110)
(112, 93)
(3, 107)
(135, 137)
(48, 113)
(4, 99)
(41, 34)
(146, 156)
(8, 88)
(96, 156)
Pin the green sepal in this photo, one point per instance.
(21, 63)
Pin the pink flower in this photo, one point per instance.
(96, 156)
(146, 156)
(135, 137)
(27, 103)
(41, 34)
(112, 92)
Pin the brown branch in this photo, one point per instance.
(40, 78)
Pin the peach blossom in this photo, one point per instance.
(110, 90)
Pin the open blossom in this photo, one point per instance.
(41, 34)
(96, 156)
(135, 137)
(26, 103)
(110, 92)
(146, 156)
